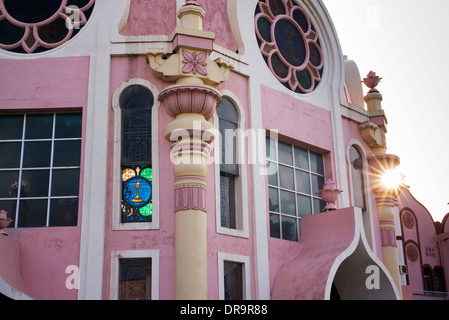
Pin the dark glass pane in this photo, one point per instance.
(31, 11)
(316, 163)
(289, 228)
(68, 125)
(272, 178)
(227, 111)
(78, 3)
(53, 32)
(9, 184)
(228, 144)
(317, 183)
(233, 280)
(285, 153)
(304, 78)
(136, 98)
(301, 158)
(10, 154)
(136, 141)
(35, 183)
(65, 182)
(10, 33)
(358, 184)
(10, 207)
(278, 66)
(264, 27)
(304, 206)
(299, 17)
(288, 203)
(227, 201)
(63, 212)
(273, 199)
(11, 127)
(290, 42)
(318, 206)
(37, 154)
(302, 182)
(270, 148)
(286, 177)
(39, 126)
(67, 153)
(32, 213)
(135, 279)
(275, 228)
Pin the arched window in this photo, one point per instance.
(358, 182)
(136, 104)
(427, 273)
(228, 122)
(439, 280)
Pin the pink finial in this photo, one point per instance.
(372, 81)
(191, 2)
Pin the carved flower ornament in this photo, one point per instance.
(289, 44)
(194, 62)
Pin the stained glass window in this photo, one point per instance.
(137, 204)
(40, 168)
(136, 103)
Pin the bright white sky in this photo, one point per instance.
(406, 42)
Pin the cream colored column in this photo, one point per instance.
(373, 132)
(192, 101)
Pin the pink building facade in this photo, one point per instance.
(103, 210)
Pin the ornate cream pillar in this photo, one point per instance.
(191, 100)
(373, 132)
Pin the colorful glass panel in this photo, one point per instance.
(137, 192)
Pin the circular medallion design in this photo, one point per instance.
(408, 220)
(289, 44)
(137, 192)
(32, 26)
(412, 252)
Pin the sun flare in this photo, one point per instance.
(392, 179)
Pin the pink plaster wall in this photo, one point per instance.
(144, 19)
(303, 124)
(308, 124)
(47, 84)
(122, 69)
(423, 234)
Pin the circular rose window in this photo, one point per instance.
(31, 26)
(289, 44)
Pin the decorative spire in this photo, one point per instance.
(372, 81)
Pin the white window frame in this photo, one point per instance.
(116, 255)
(117, 175)
(244, 260)
(241, 181)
